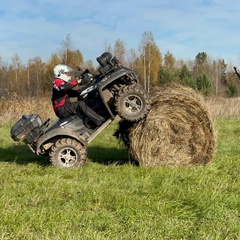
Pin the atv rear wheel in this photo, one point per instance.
(67, 153)
(132, 103)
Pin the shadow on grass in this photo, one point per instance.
(22, 155)
(108, 156)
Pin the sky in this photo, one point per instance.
(37, 28)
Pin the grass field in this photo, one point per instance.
(110, 200)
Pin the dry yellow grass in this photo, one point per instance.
(224, 108)
(12, 110)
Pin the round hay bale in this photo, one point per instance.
(177, 131)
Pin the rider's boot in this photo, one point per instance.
(94, 117)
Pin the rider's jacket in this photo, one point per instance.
(62, 91)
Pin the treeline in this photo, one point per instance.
(208, 76)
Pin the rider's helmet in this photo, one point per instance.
(63, 72)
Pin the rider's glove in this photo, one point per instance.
(86, 78)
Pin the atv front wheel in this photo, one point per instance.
(67, 153)
(132, 103)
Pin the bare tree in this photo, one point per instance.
(151, 60)
(16, 64)
(36, 76)
(120, 51)
(66, 48)
(3, 78)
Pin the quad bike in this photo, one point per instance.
(115, 91)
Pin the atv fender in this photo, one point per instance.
(57, 133)
(109, 79)
(113, 76)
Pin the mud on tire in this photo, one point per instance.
(67, 153)
(132, 103)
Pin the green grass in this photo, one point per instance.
(110, 200)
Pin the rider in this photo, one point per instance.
(63, 90)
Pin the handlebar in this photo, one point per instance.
(78, 73)
(85, 76)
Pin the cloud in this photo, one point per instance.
(33, 28)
